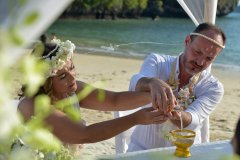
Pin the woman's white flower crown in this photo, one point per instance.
(64, 53)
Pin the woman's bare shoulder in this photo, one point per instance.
(26, 107)
(80, 86)
(26, 102)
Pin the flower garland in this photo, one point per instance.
(64, 52)
(185, 98)
(185, 95)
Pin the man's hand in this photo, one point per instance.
(162, 95)
(174, 115)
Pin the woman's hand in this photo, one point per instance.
(149, 116)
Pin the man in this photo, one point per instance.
(180, 86)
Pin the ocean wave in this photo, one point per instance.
(227, 67)
(106, 50)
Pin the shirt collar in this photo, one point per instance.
(177, 70)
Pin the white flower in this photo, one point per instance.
(57, 41)
(184, 93)
(64, 54)
(48, 60)
(60, 64)
(184, 98)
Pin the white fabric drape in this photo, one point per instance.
(200, 10)
(15, 13)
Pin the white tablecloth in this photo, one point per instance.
(206, 151)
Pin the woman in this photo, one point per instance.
(61, 83)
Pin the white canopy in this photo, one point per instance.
(200, 10)
(15, 15)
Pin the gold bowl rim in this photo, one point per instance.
(173, 132)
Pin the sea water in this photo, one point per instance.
(138, 38)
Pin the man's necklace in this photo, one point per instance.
(185, 95)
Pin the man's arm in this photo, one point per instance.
(161, 92)
(147, 80)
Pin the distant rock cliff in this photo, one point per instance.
(226, 6)
(173, 9)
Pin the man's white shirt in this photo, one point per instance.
(208, 92)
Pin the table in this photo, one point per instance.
(205, 151)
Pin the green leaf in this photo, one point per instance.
(67, 106)
(72, 113)
(22, 2)
(101, 95)
(42, 106)
(15, 37)
(31, 18)
(33, 72)
(42, 139)
(34, 123)
(88, 89)
(85, 92)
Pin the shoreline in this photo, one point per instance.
(225, 67)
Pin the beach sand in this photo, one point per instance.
(116, 73)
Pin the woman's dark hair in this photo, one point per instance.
(48, 47)
(43, 38)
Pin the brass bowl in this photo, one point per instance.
(183, 140)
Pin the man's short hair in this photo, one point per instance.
(208, 26)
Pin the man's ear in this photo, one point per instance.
(187, 40)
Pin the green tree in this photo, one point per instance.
(142, 5)
(114, 7)
(154, 8)
(104, 7)
(79, 7)
(133, 8)
(129, 7)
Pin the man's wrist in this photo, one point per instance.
(150, 82)
(144, 84)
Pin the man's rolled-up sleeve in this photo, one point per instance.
(195, 121)
(135, 78)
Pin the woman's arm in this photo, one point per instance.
(107, 129)
(114, 101)
(71, 132)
